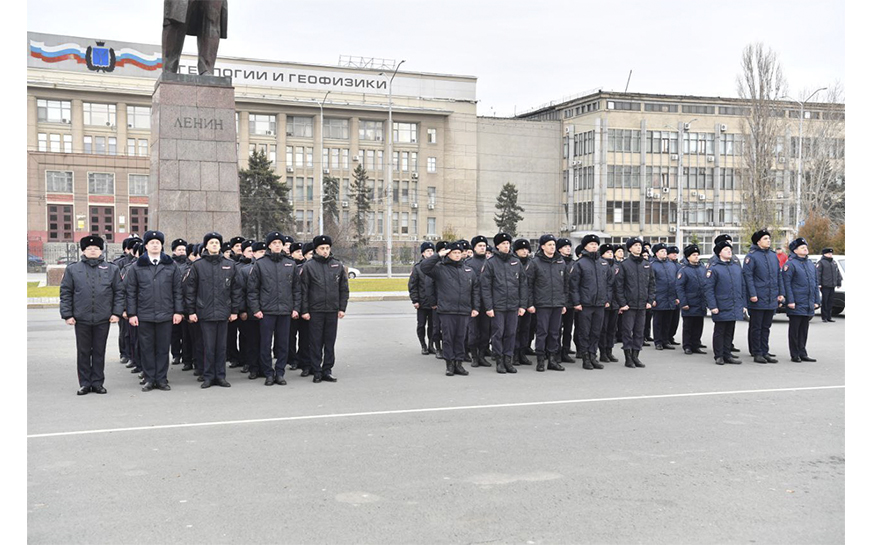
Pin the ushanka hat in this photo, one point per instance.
(721, 245)
(521, 244)
(209, 236)
(634, 240)
(691, 249)
(797, 243)
(499, 238)
(588, 239)
(92, 240)
(275, 235)
(153, 235)
(477, 239)
(547, 238)
(561, 242)
(176, 243)
(755, 238)
(321, 240)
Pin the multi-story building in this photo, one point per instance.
(671, 167)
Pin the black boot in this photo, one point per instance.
(509, 363)
(554, 363)
(482, 360)
(467, 357)
(474, 358)
(611, 356)
(523, 359)
(636, 359)
(540, 362)
(430, 349)
(587, 364)
(628, 359)
(459, 370)
(439, 355)
(565, 357)
(424, 350)
(449, 368)
(501, 367)
(528, 351)
(592, 358)
(603, 357)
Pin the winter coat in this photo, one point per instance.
(422, 289)
(91, 291)
(800, 286)
(458, 290)
(615, 267)
(212, 294)
(634, 283)
(273, 285)
(243, 270)
(665, 274)
(828, 274)
(324, 285)
(762, 278)
(549, 283)
(690, 287)
(503, 283)
(154, 292)
(591, 281)
(725, 291)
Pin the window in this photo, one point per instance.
(431, 164)
(697, 109)
(310, 221)
(404, 226)
(371, 130)
(139, 117)
(396, 223)
(60, 223)
(618, 176)
(261, 124)
(414, 192)
(300, 194)
(299, 127)
(42, 142)
(298, 161)
(298, 221)
(99, 114)
(396, 192)
(662, 142)
(289, 156)
(88, 144)
(310, 154)
(344, 189)
(138, 185)
(53, 111)
(731, 144)
(345, 163)
(431, 136)
(404, 195)
(54, 143)
(622, 141)
(336, 128)
(622, 105)
(660, 107)
(138, 219)
(101, 183)
(406, 133)
(131, 146)
(68, 143)
(334, 158)
(431, 195)
(58, 181)
(310, 189)
(733, 110)
(414, 229)
(431, 227)
(405, 165)
(102, 221)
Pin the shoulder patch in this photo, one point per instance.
(646, 266)
(708, 273)
(747, 260)
(334, 266)
(225, 268)
(289, 264)
(102, 266)
(785, 266)
(679, 275)
(513, 262)
(467, 270)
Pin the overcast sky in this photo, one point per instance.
(523, 53)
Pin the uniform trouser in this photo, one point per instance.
(154, 350)
(293, 353)
(249, 330)
(232, 351)
(425, 323)
(589, 327)
(522, 337)
(478, 332)
(610, 326)
(196, 345)
(437, 326)
(662, 321)
(566, 323)
(548, 322)
(619, 326)
(673, 323)
(534, 320)
(633, 332)
(180, 346)
(123, 348)
(133, 346)
(322, 341)
(758, 331)
(274, 328)
(304, 356)
(504, 329)
(649, 315)
(453, 332)
(214, 350)
(691, 332)
(722, 338)
(797, 335)
(91, 353)
(827, 298)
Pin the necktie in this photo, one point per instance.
(155, 261)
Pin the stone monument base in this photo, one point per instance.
(194, 183)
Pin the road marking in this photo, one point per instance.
(430, 410)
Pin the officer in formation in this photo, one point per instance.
(180, 343)
(564, 248)
(690, 288)
(828, 279)
(634, 290)
(479, 327)
(762, 275)
(725, 298)
(610, 319)
(423, 296)
(802, 296)
(591, 288)
(665, 297)
(504, 295)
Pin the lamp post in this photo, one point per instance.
(678, 237)
(389, 176)
(799, 166)
(321, 162)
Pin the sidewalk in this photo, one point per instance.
(359, 296)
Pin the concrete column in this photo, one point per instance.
(642, 179)
(243, 139)
(281, 144)
(31, 123)
(78, 125)
(121, 127)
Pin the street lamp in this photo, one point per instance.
(389, 245)
(321, 162)
(799, 167)
(678, 237)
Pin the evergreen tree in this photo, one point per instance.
(508, 210)
(359, 193)
(331, 206)
(263, 198)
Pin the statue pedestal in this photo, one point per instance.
(194, 185)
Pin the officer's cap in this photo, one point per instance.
(92, 240)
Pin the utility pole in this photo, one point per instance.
(799, 166)
(389, 176)
(321, 178)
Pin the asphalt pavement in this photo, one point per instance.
(683, 451)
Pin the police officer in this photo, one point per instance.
(591, 282)
(479, 327)
(154, 304)
(274, 299)
(765, 290)
(121, 262)
(665, 273)
(196, 360)
(92, 297)
(236, 247)
(504, 298)
(214, 298)
(828, 279)
(549, 299)
(690, 287)
(610, 320)
(564, 248)
(634, 290)
(233, 341)
(802, 296)
(527, 322)
(648, 255)
(249, 339)
(251, 325)
(308, 250)
(178, 247)
(437, 325)
(725, 297)
(324, 284)
(458, 293)
(130, 333)
(421, 293)
(298, 346)
(672, 253)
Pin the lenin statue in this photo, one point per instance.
(205, 19)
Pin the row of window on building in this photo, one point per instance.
(373, 160)
(101, 219)
(99, 183)
(403, 223)
(93, 114)
(630, 177)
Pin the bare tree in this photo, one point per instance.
(760, 84)
(823, 157)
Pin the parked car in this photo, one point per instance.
(839, 294)
(66, 260)
(35, 263)
(352, 272)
